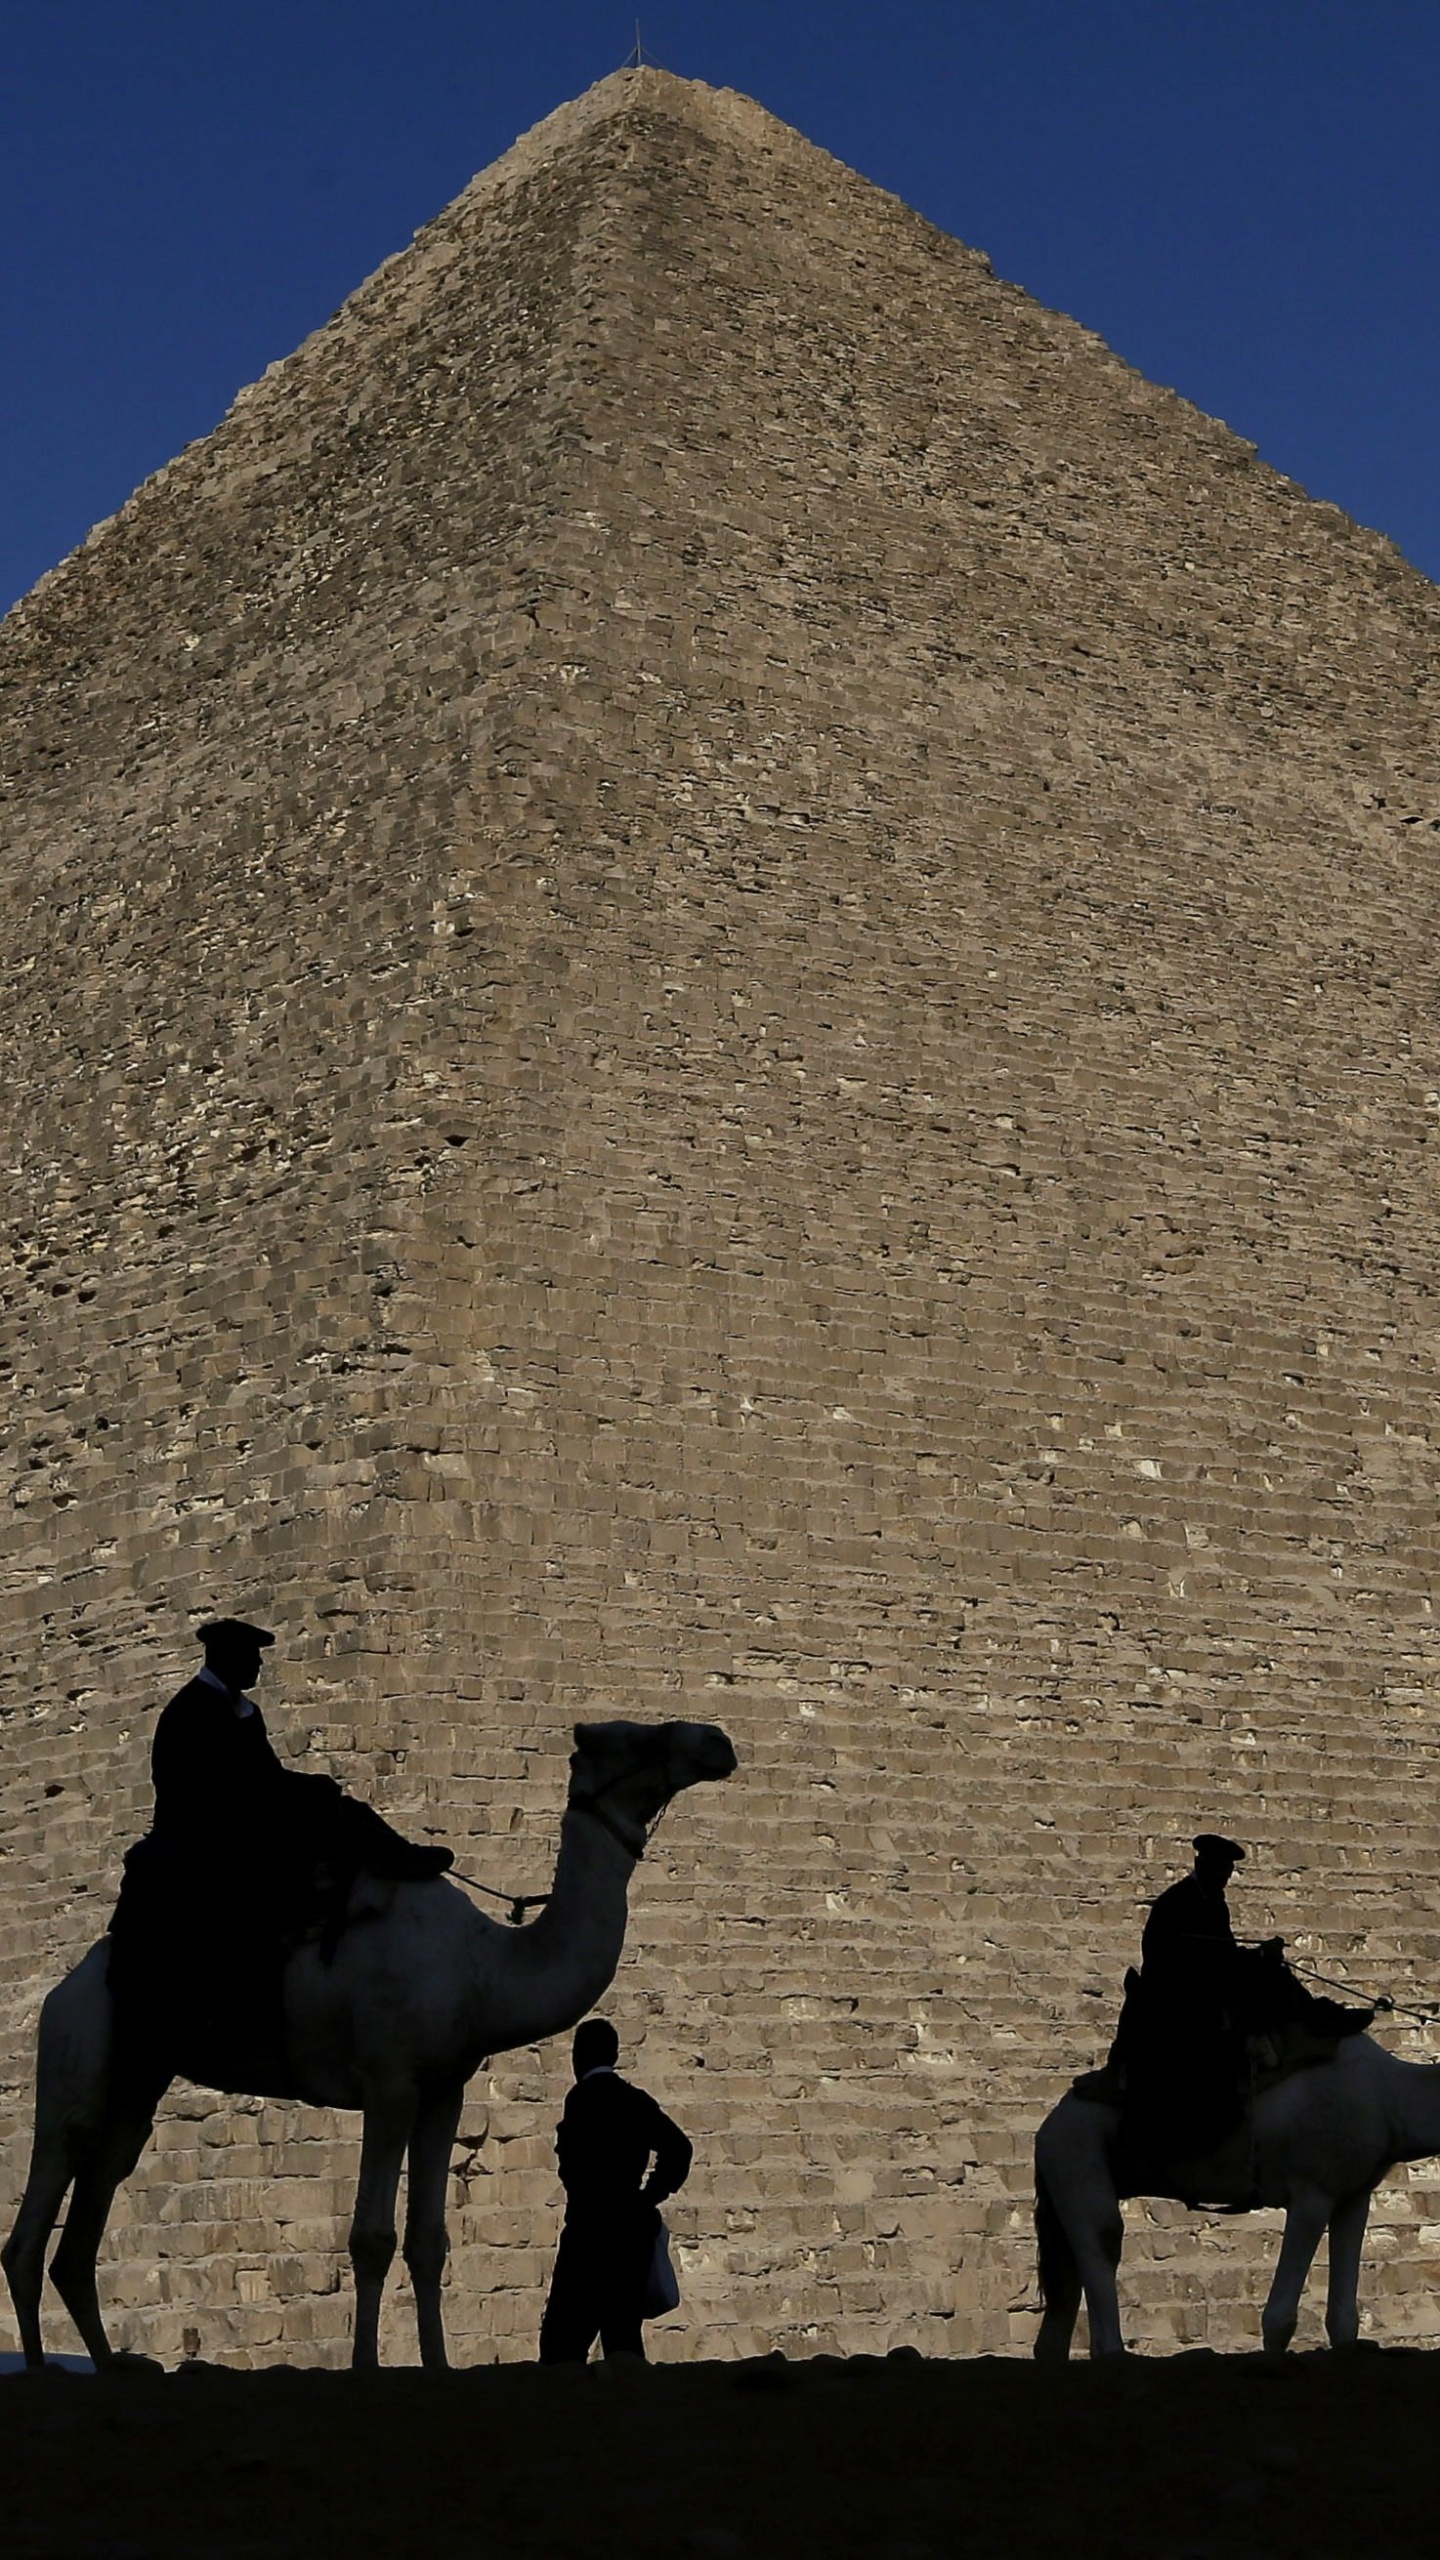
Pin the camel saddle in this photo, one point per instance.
(198, 1957)
(1186, 2096)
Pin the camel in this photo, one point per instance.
(420, 1990)
(1323, 2140)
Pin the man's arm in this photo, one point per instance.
(565, 2144)
(673, 2151)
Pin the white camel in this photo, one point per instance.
(1323, 2140)
(421, 1988)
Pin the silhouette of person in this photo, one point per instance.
(1193, 1961)
(242, 1853)
(219, 1784)
(1188, 1944)
(1184, 2038)
(605, 2141)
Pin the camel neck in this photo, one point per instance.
(563, 1961)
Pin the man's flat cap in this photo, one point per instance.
(232, 1631)
(1213, 1844)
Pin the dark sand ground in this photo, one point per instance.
(1187, 2458)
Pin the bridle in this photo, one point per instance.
(634, 1839)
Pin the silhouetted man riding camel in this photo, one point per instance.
(1207, 2021)
(244, 1857)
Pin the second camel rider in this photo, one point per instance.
(1184, 2048)
(1188, 1947)
(242, 1854)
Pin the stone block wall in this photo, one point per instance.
(721, 1006)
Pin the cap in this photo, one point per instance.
(218, 1631)
(1213, 1844)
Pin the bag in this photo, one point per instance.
(662, 2288)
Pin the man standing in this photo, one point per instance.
(605, 2141)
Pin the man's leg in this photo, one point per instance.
(625, 2279)
(572, 2312)
(357, 1836)
(158, 1973)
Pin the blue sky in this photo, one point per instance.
(1242, 196)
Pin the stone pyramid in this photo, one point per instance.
(720, 1002)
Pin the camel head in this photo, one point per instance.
(626, 1774)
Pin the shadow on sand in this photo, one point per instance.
(1194, 2457)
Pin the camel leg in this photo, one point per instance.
(1094, 2239)
(129, 2122)
(1347, 2239)
(1097, 2252)
(1059, 2276)
(52, 2166)
(1305, 2220)
(372, 2229)
(1079, 2227)
(72, 2080)
(1057, 2325)
(427, 2181)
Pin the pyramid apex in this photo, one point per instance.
(639, 85)
(621, 93)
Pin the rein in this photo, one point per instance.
(517, 1904)
(1379, 2001)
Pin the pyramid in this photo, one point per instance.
(720, 1003)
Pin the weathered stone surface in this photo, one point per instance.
(720, 1002)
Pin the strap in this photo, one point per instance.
(633, 1847)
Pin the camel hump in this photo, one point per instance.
(1186, 2066)
(1301, 2043)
